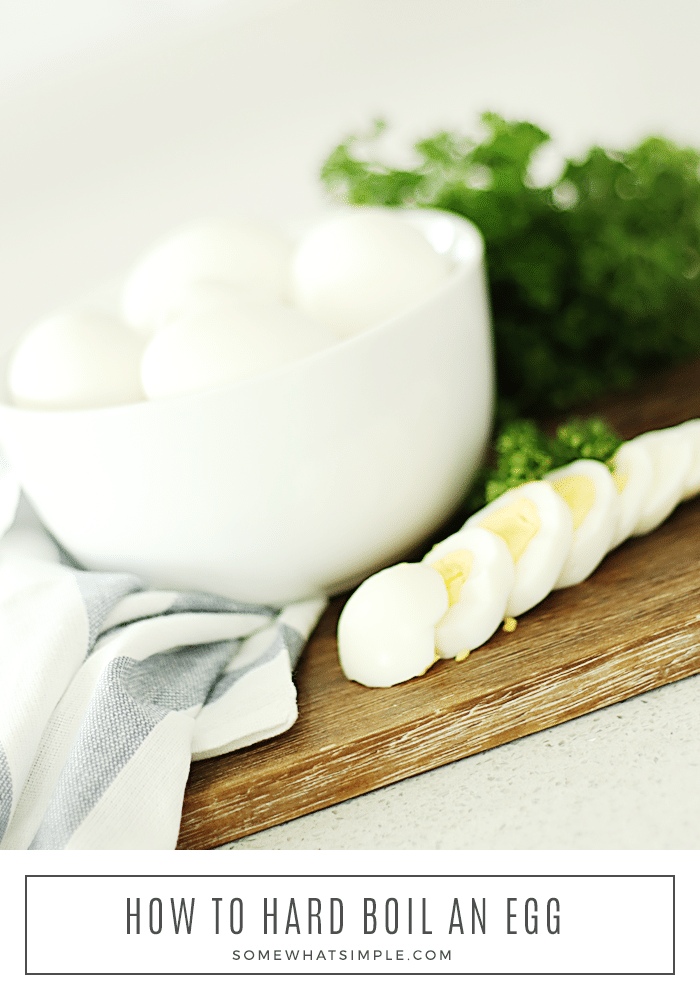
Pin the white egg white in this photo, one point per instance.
(386, 631)
(588, 488)
(225, 344)
(671, 454)
(241, 253)
(537, 525)
(691, 487)
(360, 267)
(201, 296)
(479, 573)
(633, 473)
(74, 361)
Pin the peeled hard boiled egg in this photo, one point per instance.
(691, 487)
(537, 526)
(240, 253)
(632, 475)
(226, 344)
(360, 267)
(479, 573)
(671, 454)
(75, 361)
(589, 490)
(201, 296)
(386, 631)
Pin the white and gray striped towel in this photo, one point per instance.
(109, 689)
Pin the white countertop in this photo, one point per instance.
(115, 128)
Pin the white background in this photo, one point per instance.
(122, 118)
(369, 869)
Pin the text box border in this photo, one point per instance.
(350, 972)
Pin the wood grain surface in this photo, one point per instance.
(632, 626)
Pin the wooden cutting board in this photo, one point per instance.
(632, 626)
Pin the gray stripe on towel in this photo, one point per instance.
(5, 791)
(100, 593)
(130, 699)
(286, 637)
(194, 600)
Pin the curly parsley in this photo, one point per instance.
(594, 279)
(523, 452)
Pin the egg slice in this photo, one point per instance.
(76, 360)
(386, 631)
(479, 573)
(241, 253)
(671, 454)
(360, 267)
(632, 474)
(589, 490)
(691, 487)
(226, 344)
(537, 526)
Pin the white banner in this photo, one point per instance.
(352, 924)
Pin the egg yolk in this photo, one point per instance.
(579, 493)
(454, 568)
(620, 478)
(517, 523)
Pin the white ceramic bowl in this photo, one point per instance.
(297, 482)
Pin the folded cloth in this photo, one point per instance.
(108, 689)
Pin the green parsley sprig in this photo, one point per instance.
(523, 452)
(594, 279)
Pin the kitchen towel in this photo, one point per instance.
(109, 689)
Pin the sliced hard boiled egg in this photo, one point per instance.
(632, 475)
(691, 488)
(589, 490)
(240, 252)
(386, 631)
(537, 526)
(479, 573)
(671, 454)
